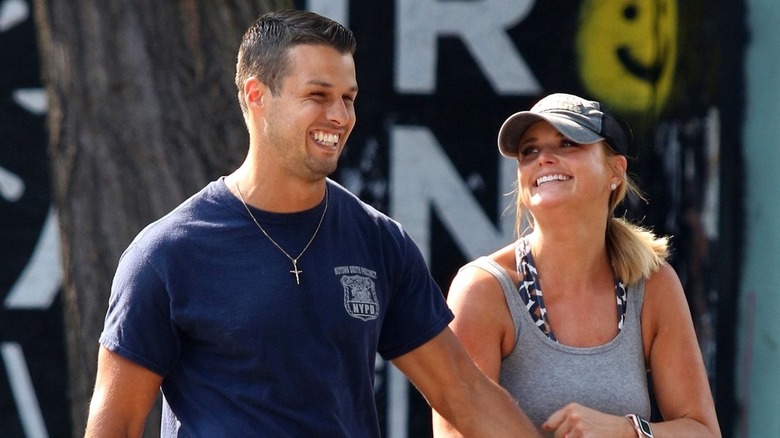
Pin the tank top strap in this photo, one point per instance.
(513, 299)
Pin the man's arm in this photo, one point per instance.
(451, 383)
(124, 394)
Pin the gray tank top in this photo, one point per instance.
(543, 375)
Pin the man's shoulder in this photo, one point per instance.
(178, 221)
(350, 200)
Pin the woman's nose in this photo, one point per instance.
(546, 156)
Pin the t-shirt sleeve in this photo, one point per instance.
(138, 324)
(417, 311)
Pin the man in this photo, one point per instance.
(259, 304)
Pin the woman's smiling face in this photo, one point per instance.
(553, 170)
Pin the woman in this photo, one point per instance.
(572, 316)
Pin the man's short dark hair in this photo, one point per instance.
(265, 45)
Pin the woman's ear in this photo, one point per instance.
(619, 165)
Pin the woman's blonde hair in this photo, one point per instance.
(635, 251)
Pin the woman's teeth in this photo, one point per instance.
(548, 178)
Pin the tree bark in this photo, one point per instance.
(142, 113)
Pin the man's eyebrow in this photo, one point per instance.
(319, 83)
(325, 84)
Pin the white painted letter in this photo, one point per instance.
(482, 27)
(423, 179)
(336, 10)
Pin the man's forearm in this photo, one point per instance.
(490, 412)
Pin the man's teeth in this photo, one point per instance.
(327, 139)
(548, 178)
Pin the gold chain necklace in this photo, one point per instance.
(294, 261)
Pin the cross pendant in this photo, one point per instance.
(296, 271)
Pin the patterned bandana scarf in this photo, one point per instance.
(531, 292)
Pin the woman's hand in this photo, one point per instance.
(577, 421)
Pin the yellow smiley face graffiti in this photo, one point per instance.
(627, 51)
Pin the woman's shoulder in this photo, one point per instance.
(505, 257)
(663, 280)
(476, 297)
(480, 276)
(665, 300)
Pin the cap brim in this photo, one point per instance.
(515, 126)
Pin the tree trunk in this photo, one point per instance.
(142, 113)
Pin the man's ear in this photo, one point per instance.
(254, 93)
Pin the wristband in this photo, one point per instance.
(641, 426)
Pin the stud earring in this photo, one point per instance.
(613, 186)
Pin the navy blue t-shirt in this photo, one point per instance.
(204, 299)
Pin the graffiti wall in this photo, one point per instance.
(437, 79)
(33, 389)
